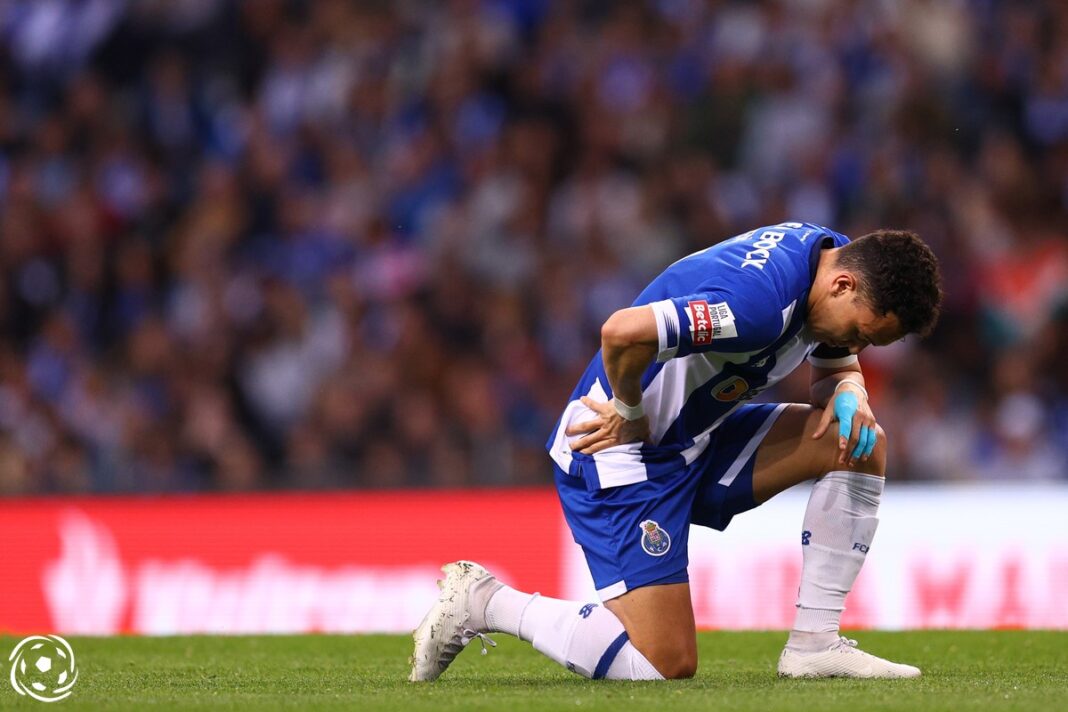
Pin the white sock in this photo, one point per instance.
(586, 638)
(504, 612)
(839, 526)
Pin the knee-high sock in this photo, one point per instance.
(586, 638)
(839, 526)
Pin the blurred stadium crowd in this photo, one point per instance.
(331, 244)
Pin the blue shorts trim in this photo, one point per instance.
(637, 535)
(726, 467)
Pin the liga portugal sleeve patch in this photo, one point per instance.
(710, 321)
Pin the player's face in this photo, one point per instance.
(846, 320)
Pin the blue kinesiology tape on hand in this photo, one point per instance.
(845, 407)
(866, 435)
(873, 437)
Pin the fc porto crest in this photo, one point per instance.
(655, 541)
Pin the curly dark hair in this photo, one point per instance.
(897, 273)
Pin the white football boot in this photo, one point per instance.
(458, 617)
(842, 659)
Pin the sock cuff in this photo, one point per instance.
(859, 485)
(505, 609)
(609, 656)
(522, 612)
(630, 664)
(817, 620)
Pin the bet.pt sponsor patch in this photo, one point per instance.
(710, 321)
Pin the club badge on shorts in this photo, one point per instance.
(655, 541)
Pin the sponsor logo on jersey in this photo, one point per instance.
(723, 326)
(586, 610)
(710, 321)
(655, 541)
(700, 324)
(730, 390)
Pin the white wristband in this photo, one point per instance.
(628, 412)
(855, 383)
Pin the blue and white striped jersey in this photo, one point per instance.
(731, 322)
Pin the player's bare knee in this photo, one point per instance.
(674, 660)
(686, 669)
(826, 448)
(681, 666)
(828, 451)
(878, 455)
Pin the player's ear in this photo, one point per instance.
(844, 283)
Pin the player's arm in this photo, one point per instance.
(837, 386)
(826, 382)
(629, 344)
(633, 338)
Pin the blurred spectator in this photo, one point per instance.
(283, 243)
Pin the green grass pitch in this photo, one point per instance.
(1012, 670)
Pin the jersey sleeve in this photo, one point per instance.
(824, 356)
(714, 321)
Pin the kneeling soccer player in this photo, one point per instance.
(657, 436)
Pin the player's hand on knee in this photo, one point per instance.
(857, 435)
(607, 430)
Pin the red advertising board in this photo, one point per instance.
(944, 556)
(260, 563)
